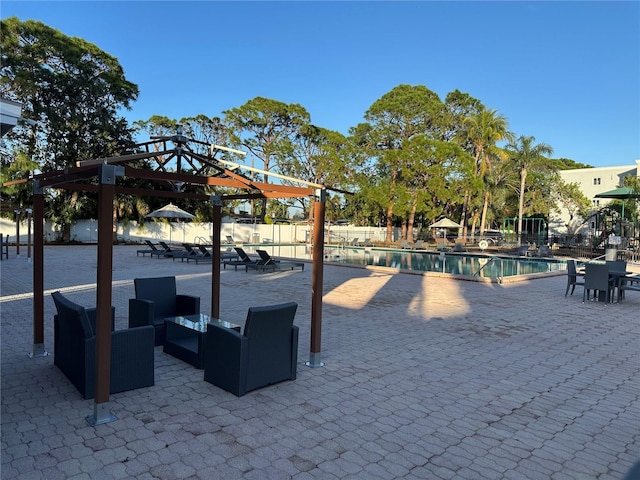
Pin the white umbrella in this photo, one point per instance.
(170, 211)
(445, 223)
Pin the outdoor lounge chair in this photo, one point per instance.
(241, 259)
(156, 299)
(269, 263)
(521, 251)
(442, 246)
(573, 277)
(459, 248)
(188, 253)
(151, 250)
(132, 352)
(167, 251)
(264, 354)
(206, 256)
(543, 251)
(419, 245)
(202, 255)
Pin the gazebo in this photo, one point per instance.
(194, 169)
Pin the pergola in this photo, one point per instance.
(178, 170)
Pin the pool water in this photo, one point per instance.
(457, 264)
(485, 266)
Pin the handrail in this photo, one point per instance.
(480, 269)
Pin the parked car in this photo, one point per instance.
(494, 237)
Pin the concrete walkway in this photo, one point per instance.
(425, 378)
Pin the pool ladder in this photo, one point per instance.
(482, 267)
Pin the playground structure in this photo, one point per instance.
(534, 230)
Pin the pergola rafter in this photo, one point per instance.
(101, 175)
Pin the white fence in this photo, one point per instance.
(86, 231)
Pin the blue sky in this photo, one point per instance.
(567, 73)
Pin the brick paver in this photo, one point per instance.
(425, 378)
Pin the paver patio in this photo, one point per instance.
(425, 378)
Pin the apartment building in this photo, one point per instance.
(592, 181)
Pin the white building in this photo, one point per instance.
(10, 112)
(592, 181)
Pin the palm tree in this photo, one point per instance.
(484, 130)
(525, 156)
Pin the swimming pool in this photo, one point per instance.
(480, 266)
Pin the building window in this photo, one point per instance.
(596, 203)
(596, 181)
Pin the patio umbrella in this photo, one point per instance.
(445, 223)
(170, 211)
(621, 193)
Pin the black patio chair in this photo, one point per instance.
(156, 299)
(132, 350)
(264, 354)
(573, 277)
(596, 278)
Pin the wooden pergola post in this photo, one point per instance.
(106, 189)
(316, 280)
(38, 272)
(17, 212)
(29, 212)
(215, 254)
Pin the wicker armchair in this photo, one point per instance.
(156, 299)
(132, 350)
(265, 354)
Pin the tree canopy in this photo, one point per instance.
(73, 91)
(413, 158)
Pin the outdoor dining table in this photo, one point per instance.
(615, 278)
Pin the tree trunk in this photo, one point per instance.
(474, 223)
(523, 179)
(463, 220)
(389, 239)
(412, 217)
(483, 220)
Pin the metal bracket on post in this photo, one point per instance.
(101, 414)
(216, 200)
(108, 173)
(314, 360)
(38, 351)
